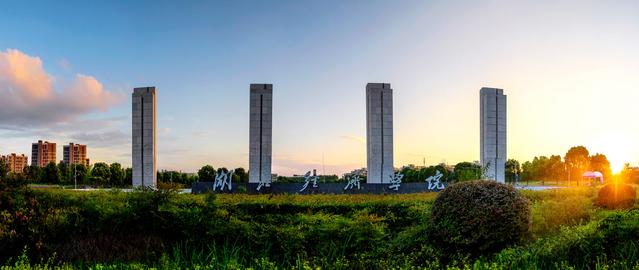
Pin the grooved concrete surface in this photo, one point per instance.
(144, 158)
(260, 133)
(493, 133)
(379, 132)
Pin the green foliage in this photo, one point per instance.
(34, 174)
(4, 169)
(101, 174)
(513, 169)
(117, 174)
(65, 176)
(480, 217)
(617, 196)
(51, 174)
(240, 175)
(466, 171)
(206, 173)
(166, 230)
(419, 174)
(556, 208)
(181, 178)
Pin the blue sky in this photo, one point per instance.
(555, 60)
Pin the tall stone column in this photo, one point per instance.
(379, 132)
(144, 138)
(493, 133)
(260, 133)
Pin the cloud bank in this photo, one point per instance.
(29, 96)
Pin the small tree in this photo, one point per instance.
(128, 177)
(117, 174)
(101, 174)
(4, 169)
(206, 173)
(513, 169)
(241, 175)
(64, 172)
(51, 174)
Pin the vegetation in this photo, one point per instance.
(576, 161)
(163, 229)
(614, 196)
(480, 218)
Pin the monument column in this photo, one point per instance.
(493, 133)
(144, 139)
(260, 133)
(379, 132)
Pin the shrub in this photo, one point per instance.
(616, 196)
(170, 186)
(479, 217)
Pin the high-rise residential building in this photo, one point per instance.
(16, 163)
(75, 154)
(144, 143)
(260, 133)
(379, 133)
(493, 133)
(43, 153)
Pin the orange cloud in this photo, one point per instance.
(28, 95)
(24, 76)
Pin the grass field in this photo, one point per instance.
(116, 230)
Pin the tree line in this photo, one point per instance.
(554, 169)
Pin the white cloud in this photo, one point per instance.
(29, 96)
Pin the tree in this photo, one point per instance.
(513, 170)
(34, 174)
(222, 170)
(600, 163)
(526, 172)
(578, 160)
(206, 173)
(465, 171)
(64, 172)
(241, 175)
(557, 168)
(128, 177)
(117, 174)
(101, 174)
(77, 173)
(51, 174)
(4, 169)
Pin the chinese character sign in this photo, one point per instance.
(223, 180)
(308, 178)
(396, 181)
(352, 182)
(263, 183)
(434, 181)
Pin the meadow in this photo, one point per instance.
(58, 229)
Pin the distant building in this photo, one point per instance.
(493, 133)
(16, 163)
(43, 153)
(75, 154)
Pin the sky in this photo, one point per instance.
(570, 70)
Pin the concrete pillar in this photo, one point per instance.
(379, 132)
(260, 133)
(144, 159)
(493, 133)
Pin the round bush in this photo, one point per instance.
(479, 217)
(620, 196)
